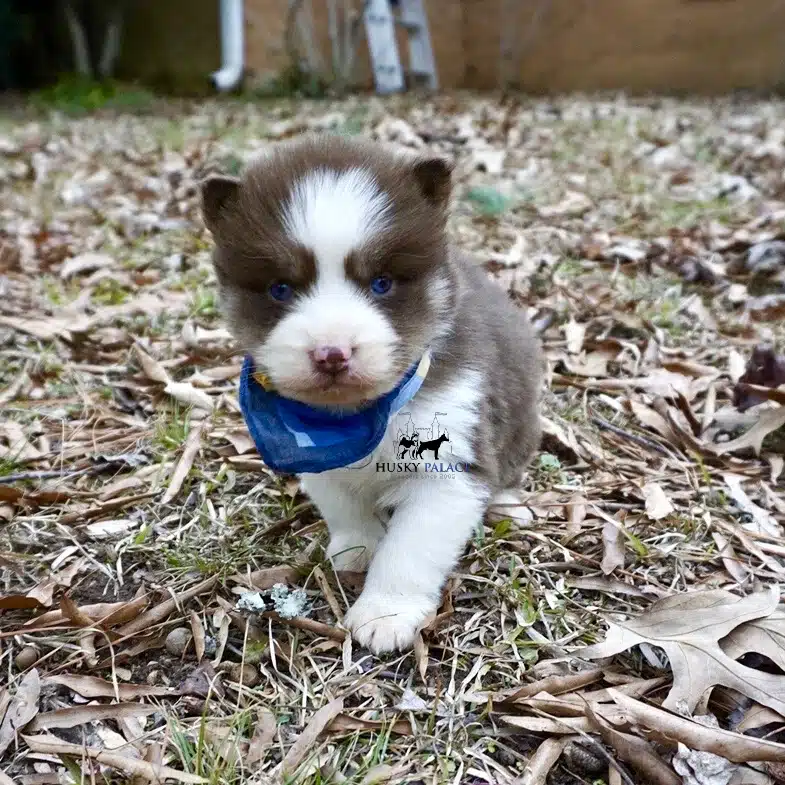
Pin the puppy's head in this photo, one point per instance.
(332, 264)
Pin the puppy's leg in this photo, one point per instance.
(355, 531)
(432, 521)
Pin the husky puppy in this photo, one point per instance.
(337, 278)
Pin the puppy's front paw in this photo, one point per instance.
(384, 623)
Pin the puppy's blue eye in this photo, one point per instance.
(281, 292)
(381, 285)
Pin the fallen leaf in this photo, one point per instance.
(758, 716)
(576, 515)
(151, 367)
(730, 560)
(574, 334)
(613, 546)
(544, 759)
(384, 773)
(130, 766)
(197, 630)
(187, 394)
(667, 728)
(658, 505)
(84, 263)
(635, 751)
(106, 529)
(306, 741)
(554, 685)
(702, 768)
(21, 710)
(93, 687)
(79, 715)
(762, 521)
(19, 602)
(688, 628)
(411, 701)
(191, 448)
(765, 636)
(267, 578)
(263, 735)
(768, 421)
(556, 727)
(344, 723)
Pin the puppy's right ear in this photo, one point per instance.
(218, 192)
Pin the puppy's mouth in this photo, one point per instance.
(346, 388)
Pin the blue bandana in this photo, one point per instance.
(295, 438)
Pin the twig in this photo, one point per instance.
(47, 474)
(309, 625)
(634, 438)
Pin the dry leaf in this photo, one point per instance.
(93, 687)
(613, 546)
(19, 602)
(197, 630)
(763, 522)
(635, 751)
(576, 515)
(79, 715)
(658, 505)
(263, 735)
(702, 768)
(151, 367)
(667, 728)
(84, 263)
(758, 716)
(107, 529)
(543, 760)
(130, 766)
(267, 578)
(346, 723)
(191, 448)
(688, 627)
(21, 710)
(554, 685)
(575, 334)
(765, 636)
(306, 741)
(769, 421)
(187, 394)
(730, 560)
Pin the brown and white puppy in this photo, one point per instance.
(335, 274)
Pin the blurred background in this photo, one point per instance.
(316, 47)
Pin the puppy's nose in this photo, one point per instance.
(331, 359)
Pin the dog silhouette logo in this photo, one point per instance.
(417, 442)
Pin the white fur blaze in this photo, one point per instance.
(332, 213)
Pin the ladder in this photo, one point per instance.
(381, 21)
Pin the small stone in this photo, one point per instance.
(27, 657)
(177, 641)
(248, 673)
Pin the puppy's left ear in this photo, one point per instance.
(433, 176)
(218, 193)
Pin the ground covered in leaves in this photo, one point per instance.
(165, 601)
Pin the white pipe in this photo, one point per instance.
(232, 45)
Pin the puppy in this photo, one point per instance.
(337, 279)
